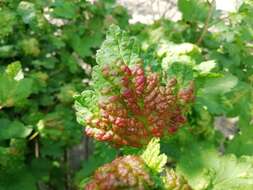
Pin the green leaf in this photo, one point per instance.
(14, 129)
(183, 72)
(30, 46)
(67, 93)
(85, 105)
(53, 149)
(206, 66)
(242, 143)
(70, 61)
(14, 70)
(7, 50)
(177, 50)
(179, 60)
(152, 157)
(21, 179)
(215, 86)
(65, 9)
(27, 11)
(193, 10)
(7, 22)
(214, 104)
(99, 82)
(118, 45)
(204, 168)
(13, 92)
(40, 168)
(82, 46)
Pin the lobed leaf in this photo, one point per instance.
(205, 169)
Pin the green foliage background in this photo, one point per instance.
(43, 63)
(46, 50)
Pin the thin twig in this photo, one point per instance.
(37, 149)
(210, 12)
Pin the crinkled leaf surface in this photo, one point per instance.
(85, 105)
(118, 45)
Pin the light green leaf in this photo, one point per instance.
(7, 50)
(171, 49)
(30, 46)
(118, 45)
(13, 92)
(220, 85)
(14, 70)
(152, 156)
(206, 66)
(85, 105)
(183, 72)
(7, 22)
(13, 129)
(27, 11)
(179, 59)
(205, 169)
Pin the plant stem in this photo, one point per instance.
(210, 12)
(37, 149)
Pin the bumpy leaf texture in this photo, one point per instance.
(138, 173)
(173, 181)
(128, 172)
(128, 104)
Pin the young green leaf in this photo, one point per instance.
(152, 156)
